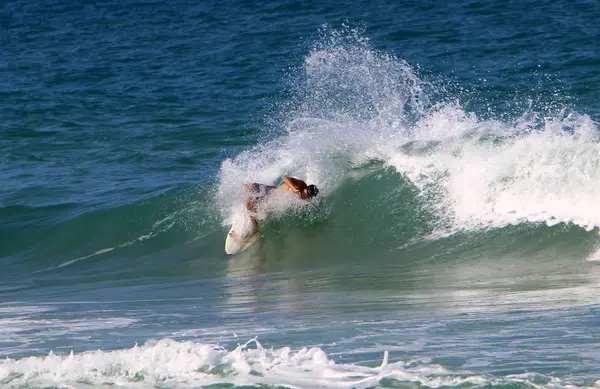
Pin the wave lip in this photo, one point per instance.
(486, 173)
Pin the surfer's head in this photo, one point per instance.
(311, 191)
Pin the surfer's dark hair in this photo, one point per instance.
(312, 191)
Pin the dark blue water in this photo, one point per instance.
(454, 241)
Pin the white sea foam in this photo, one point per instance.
(544, 175)
(185, 364)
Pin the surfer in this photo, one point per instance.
(261, 191)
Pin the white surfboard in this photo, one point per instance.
(239, 237)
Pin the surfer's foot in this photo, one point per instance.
(246, 238)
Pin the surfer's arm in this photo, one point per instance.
(294, 184)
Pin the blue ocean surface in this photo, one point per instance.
(454, 242)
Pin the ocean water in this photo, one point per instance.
(454, 242)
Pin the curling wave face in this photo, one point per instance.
(354, 106)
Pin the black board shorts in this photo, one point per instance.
(261, 190)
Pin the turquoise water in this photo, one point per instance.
(454, 242)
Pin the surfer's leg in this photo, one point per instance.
(251, 203)
(260, 192)
(255, 227)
